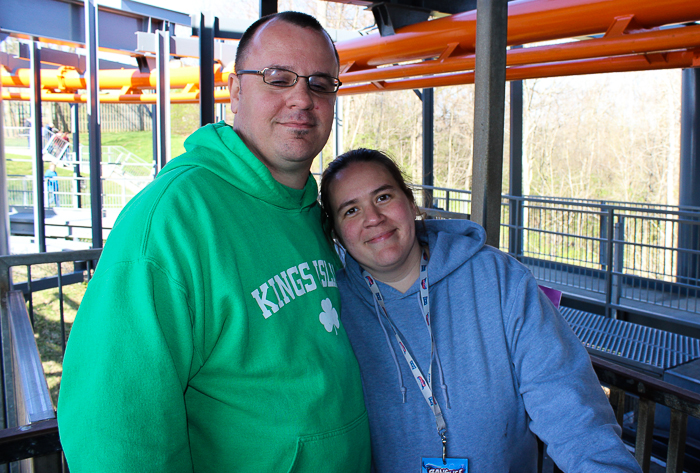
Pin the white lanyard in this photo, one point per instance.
(426, 388)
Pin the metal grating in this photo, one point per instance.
(647, 348)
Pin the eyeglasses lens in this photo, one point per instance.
(283, 78)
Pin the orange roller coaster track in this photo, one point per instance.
(630, 35)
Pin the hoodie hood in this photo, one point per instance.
(449, 250)
(218, 148)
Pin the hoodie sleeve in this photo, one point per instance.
(563, 397)
(121, 405)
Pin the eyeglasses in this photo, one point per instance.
(283, 78)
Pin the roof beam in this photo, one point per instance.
(63, 22)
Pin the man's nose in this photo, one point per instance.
(300, 94)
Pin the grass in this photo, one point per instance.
(23, 167)
(138, 142)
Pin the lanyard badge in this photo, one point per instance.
(425, 384)
(449, 465)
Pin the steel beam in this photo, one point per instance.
(689, 194)
(686, 37)
(75, 130)
(93, 111)
(688, 265)
(207, 27)
(391, 16)
(516, 167)
(338, 126)
(4, 209)
(489, 97)
(268, 7)
(154, 135)
(163, 101)
(224, 51)
(116, 80)
(529, 21)
(61, 22)
(671, 60)
(37, 148)
(428, 100)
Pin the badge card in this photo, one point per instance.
(452, 465)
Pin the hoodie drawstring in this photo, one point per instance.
(443, 384)
(391, 350)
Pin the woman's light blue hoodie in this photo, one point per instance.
(511, 366)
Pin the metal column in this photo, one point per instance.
(163, 98)
(689, 191)
(428, 141)
(515, 236)
(489, 79)
(4, 208)
(37, 142)
(338, 126)
(75, 130)
(154, 133)
(93, 112)
(268, 7)
(208, 25)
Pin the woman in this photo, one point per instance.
(426, 300)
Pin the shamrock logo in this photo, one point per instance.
(329, 316)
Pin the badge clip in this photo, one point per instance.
(443, 435)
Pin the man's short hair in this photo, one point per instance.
(293, 17)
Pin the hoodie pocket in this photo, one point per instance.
(345, 449)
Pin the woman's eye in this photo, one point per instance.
(383, 197)
(349, 212)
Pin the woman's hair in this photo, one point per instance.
(360, 155)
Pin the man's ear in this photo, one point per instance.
(234, 88)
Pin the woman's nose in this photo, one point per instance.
(373, 215)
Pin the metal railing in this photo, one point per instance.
(647, 392)
(30, 429)
(83, 261)
(29, 406)
(18, 442)
(74, 192)
(624, 255)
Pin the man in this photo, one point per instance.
(209, 339)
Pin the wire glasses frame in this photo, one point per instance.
(283, 78)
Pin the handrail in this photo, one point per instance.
(6, 262)
(28, 441)
(646, 386)
(28, 377)
(31, 417)
(650, 391)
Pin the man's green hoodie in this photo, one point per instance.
(209, 338)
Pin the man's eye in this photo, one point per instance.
(321, 84)
(319, 87)
(383, 198)
(279, 77)
(280, 81)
